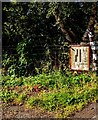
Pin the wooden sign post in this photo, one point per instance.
(80, 58)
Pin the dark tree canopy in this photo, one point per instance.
(34, 34)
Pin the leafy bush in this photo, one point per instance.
(52, 91)
(52, 80)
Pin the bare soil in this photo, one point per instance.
(20, 111)
(88, 111)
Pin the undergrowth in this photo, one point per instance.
(56, 91)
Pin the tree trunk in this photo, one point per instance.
(68, 34)
(89, 34)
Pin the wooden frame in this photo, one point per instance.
(80, 57)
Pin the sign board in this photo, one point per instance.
(80, 57)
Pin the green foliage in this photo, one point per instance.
(32, 42)
(53, 91)
(51, 80)
(35, 56)
(8, 96)
(33, 101)
(20, 98)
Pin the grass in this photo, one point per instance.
(56, 91)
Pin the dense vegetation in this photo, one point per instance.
(35, 70)
(58, 92)
(32, 38)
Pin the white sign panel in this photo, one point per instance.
(80, 58)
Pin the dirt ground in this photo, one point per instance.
(21, 112)
(88, 112)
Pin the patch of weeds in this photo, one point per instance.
(33, 101)
(54, 92)
(20, 98)
(80, 106)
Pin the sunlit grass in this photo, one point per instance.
(61, 93)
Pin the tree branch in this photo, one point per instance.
(89, 34)
(68, 34)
